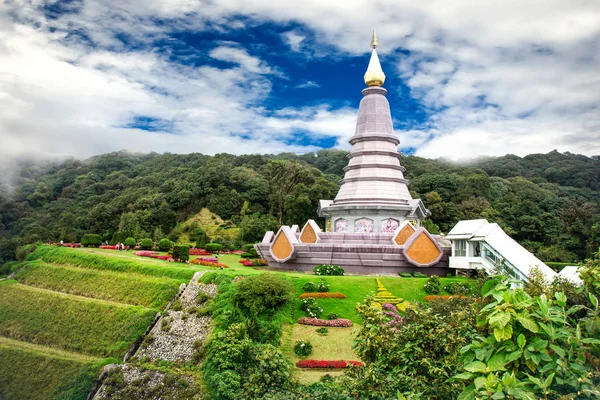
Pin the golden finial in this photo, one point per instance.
(374, 43)
(374, 75)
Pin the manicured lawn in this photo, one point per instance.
(68, 322)
(411, 289)
(148, 291)
(35, 372)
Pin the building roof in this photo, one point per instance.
(571, 274)
(507, 247)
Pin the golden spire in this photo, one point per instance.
(374, 75)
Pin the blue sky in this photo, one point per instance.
(465, 79)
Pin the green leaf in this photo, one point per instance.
(593, 299)
(561, 298)
(558, 350)
(475, 366)
(503, 333)
(463, 375)
(514, 356)
(498, 395)
(480, 382)
(500, 319)
(468, 393)
(521, 341)
(496, 363)
(528, 324)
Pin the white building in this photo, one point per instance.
(479, 244)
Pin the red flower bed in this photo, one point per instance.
(253, 263)
(328, 364)
(68, 245)
(200, 261)
(446, 297)
(199, 252)
(109, 247)
(336, 323)
(324, 295)
(152, 254)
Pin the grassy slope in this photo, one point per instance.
(34, 372)
(80, 258)
(87, 326)
(121, 287)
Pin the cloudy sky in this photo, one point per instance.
(465, 78)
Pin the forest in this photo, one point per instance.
(550, 203)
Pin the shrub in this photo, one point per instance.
(130, 242)
(447, 297)
(338, 322)
(310, 306)
(263, 292)
(309, 287)
(332, 315)
(323, 295)
(322, 331)
(213, 247)
(146, 244)
(322, 287)
(181, 253)
(405, 274)
(202, 297)
(303, 348)
(328, 364)
(91, 240)
(328, 269)
(24, 251)
(165, 244)
(460, 288)
(433, 285)
(418, 274)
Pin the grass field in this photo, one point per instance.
(83, 259)
(35, 372)
(148, 291)
(93, 327)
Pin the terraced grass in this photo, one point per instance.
(93, 327)
(80, 258)
(135, 289)
(35, 372)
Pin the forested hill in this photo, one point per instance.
(549, 202)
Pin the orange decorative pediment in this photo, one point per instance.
(422, 250)
(403, 233)
(282, 248)
(310, 232)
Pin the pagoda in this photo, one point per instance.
(373, 226)
(374, 195)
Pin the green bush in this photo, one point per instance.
(303, 348)
(418, 274)
(460, 288)
(322, 287)
(91, 240)
(332, 316)
(322, 331)
(260, 293)
(433, 285)
(146, 244)
(165, 244)
(328, 269)
(405, 274)
(213, 247)
(181, 253)
(310, 306)
(24, 251)
(309, 287)
(130, 242)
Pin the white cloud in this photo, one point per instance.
(307, 85)
(494, 77)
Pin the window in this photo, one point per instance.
(460, 248)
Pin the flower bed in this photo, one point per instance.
(335, 323)
(446, 297)
(207, 259)
(328, 364)
(152, 254)
(199, 252)
(253, 263)
(199, 261)
(109, 247)
(324, 295)
(68, 245)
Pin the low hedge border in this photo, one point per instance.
(446, 297)
(328, 364)
(323, 295)
(335, 323)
